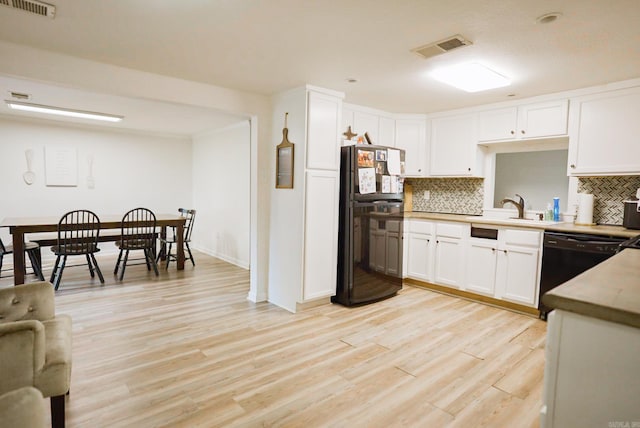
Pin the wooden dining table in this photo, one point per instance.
(21, 226)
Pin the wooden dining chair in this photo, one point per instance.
(167, 243)
(138, 232)
(32, 250)
(78, 233)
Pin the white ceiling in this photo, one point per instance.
(269, 46)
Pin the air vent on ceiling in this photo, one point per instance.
(19, 95)
(442, 46)
(32, 6)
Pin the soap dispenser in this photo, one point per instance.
(548, 214)
(556, 209)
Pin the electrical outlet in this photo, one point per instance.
(427, 195)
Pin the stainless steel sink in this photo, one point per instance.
(514, 221)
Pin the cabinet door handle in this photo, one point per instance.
(505, 251)
(522, 132)
(437, 242)
(513, 132)
(493, 250)
(572, 165)
(469, 169)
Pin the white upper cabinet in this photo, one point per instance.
(386, 132)
(604, 131)
(366, 122)
(454, 150)
(324, 117)
(379, 125)
(538, 120)
(411, 137)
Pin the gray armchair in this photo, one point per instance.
(35, 344)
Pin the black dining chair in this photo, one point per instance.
(138, 232)
(32, 250)
(78, 233)
(168, 242)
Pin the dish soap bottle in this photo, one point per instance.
(556, 209)
(548, 214)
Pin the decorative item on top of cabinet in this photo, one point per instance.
(284, 160)
(349, 134)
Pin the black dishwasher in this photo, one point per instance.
(567, 255)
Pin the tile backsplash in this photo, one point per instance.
(608, 194)
(448, 195)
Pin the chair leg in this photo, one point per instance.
(190, 255)
(36, 263)
(97, 268)
(149, 255)
(146, 258)
(59, 269)
(169, 254)
(90, 266)
(55, 268)
(115, 271)
(124, 264)
(57, 411)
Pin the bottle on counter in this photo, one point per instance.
(556, 209)
(548, 214)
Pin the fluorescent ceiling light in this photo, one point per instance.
(36, 108)
(470, 77)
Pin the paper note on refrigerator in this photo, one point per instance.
(367, 180)
(386, 184)
(394, 184)
(393, 161)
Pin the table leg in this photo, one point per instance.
(163, 243)
(18, 257)
(180, 247)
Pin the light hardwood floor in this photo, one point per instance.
(187, 350)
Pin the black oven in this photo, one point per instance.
(566, 255)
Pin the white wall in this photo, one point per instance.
(129, 170)
(286, 243)
(221, 193)
(51, 67)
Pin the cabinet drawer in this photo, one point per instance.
(529, 238)
(451, 230)
(418, 226)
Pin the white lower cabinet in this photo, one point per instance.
(505, 268)
(518, 267)
(420, 244)
(482, 257)
(449, 253)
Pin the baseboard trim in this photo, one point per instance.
(312, 304)
(474, 297)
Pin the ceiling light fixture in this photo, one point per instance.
(470, 77)
(37, 108)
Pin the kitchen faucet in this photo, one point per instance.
(519, 205)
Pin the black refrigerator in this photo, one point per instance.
(370, 224)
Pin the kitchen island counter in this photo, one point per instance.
(610, 291)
